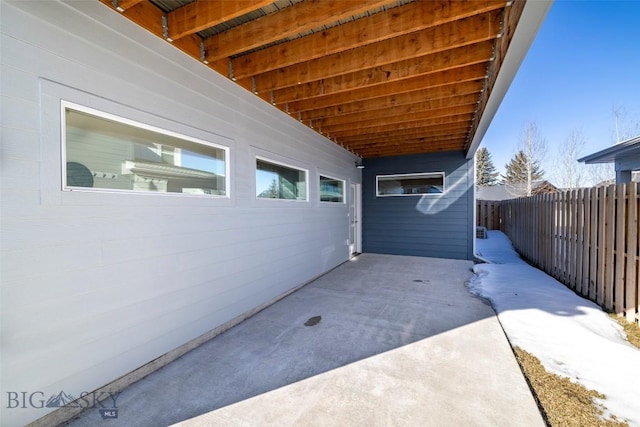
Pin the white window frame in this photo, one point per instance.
(286, 165)
(104, 115)
(412, 175)
(344, 183)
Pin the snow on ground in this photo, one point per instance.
(570, 335)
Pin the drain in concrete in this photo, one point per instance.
(313, 321)
(421, 280)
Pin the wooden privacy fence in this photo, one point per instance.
(488, 214)
(586, 238)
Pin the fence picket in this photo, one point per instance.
(618, 295)
(593, 243)
(599, 285)
(631, 301)
(610, 223)
(562, 232)
(579, 240)
(573, 217)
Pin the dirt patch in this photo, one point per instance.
(631, 329)
(563, 402)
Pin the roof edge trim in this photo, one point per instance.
(608, 154)
(530, 21)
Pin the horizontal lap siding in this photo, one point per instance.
(433, 225)
(94, 285)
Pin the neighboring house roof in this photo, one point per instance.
(625, 155)
(513, 191)
(620, 151)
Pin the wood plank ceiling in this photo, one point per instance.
(378, 77)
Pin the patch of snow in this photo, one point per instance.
(570, 335)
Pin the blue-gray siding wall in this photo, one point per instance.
(96, 284)
(433, 225)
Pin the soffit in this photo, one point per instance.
(378, 77)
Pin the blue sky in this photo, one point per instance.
(584, 62)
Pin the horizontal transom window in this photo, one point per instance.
(278, 181)
(105, 152)
(410, 184)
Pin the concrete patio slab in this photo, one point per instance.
(399, 341)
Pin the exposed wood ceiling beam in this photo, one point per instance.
(149, 17)
(469, 100)
(199, 15)
(122, 5)
(422, 115)
(299, 18)
(466, 80)
(402, 20)
(441, 129)
(344, 135)
(415, 148)
(449, 139)
(381, 77)
(385, 102)
(465, 56)
(452, 137)
(447, 36)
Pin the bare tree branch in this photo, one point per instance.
(534, 147)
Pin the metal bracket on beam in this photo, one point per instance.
(231, 75)
(165, 29)
(299, 116)
(203, 53)
(286, 108)
(311, 124)
(116, 6)
(273, 99)
(253, 85)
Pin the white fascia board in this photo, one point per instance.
(620, 150)
(530, 22)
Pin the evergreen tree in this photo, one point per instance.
(518, 167)
(273, 192)
(486, 173)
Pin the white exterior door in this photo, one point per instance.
(355, 229)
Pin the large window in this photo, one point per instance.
(105, 152)
(410, 184)
(331, 189)
(277, 181)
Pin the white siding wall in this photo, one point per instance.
(95, 285)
